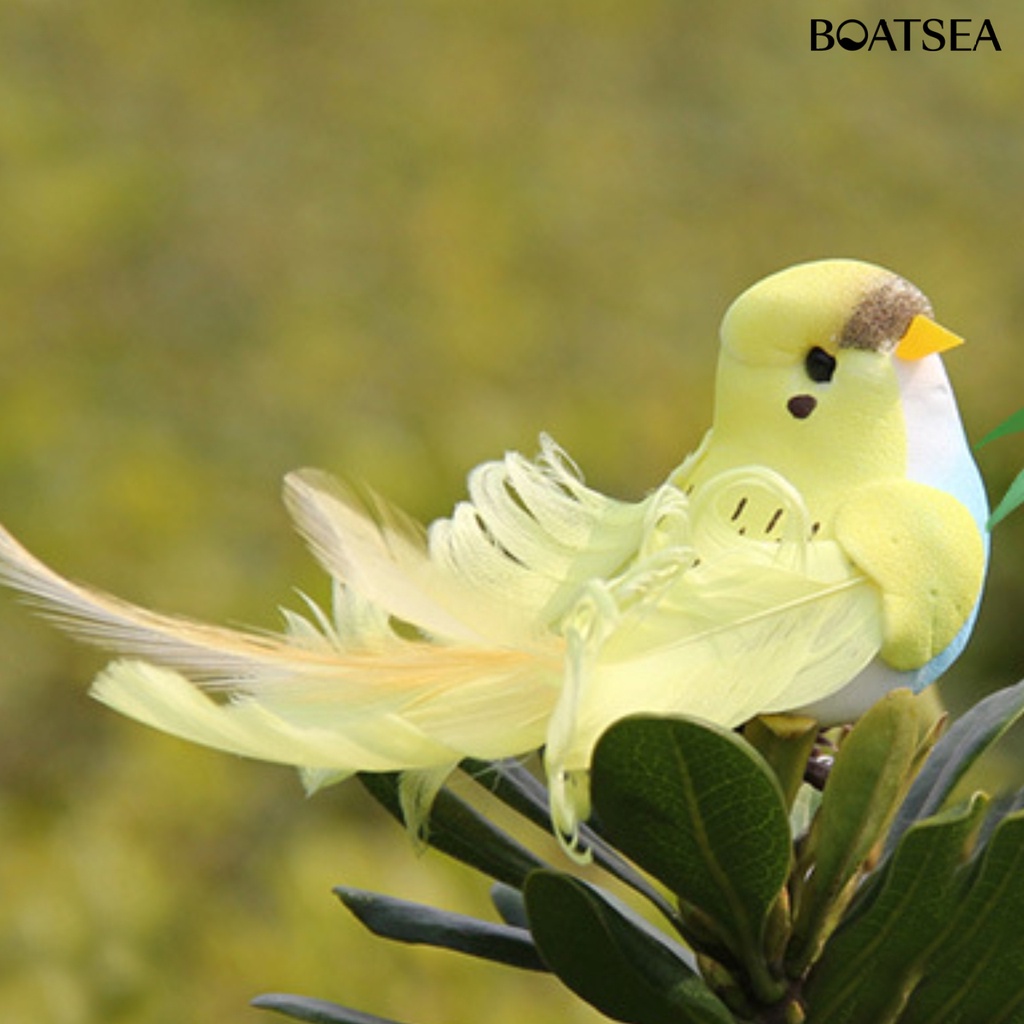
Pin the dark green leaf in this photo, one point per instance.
(405, 921)
(315, 1011)
(514, 785)
(614, 959)
(698, 808)
(977, 972)
(876, 956)
(967, 739)
(517, 788)
(456, 829)
(510, 905)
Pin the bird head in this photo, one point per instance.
(818, 367)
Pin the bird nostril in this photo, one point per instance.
(801, 406)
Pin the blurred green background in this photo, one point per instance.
(392, 240)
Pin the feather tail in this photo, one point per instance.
(207, 653)
(303, 699)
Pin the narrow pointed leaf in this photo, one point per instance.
(315, 1011)
(514, 785)
(1011, 500)
(1001, 808)
(967, 739)
(510, 904)
(1011, 425)
(517, 788)
(875, 958)
(977, 972)
(698, 808)
(454, 828)
(417, 923)
(614, 959)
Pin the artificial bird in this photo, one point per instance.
(824, 544)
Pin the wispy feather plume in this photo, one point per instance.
(454, 700)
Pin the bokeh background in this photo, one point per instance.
(392, 240)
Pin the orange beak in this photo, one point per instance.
(924, 337)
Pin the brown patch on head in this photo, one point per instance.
(882, 317)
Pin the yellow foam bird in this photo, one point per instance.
(824, 544)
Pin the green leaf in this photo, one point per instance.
(804, 810)
(1001, 807)
(698, 808)
(454, 828)
(1009, 426)
(1014, 496)
(967, 739)
(876, 956)
(405, 921)
(516, 787)
(510, 905)
(977, 972)
(315, 1011)
(872, 772)
(1011, 500)
(614, 959)
(785, 742)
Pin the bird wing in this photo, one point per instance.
(728, 627)
(923, 549)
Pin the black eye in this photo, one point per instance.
(820, 365)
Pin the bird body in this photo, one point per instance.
(823, 544)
